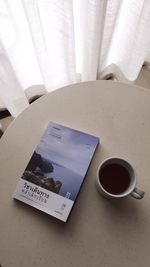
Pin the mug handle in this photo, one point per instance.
(137, 193)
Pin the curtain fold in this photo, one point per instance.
(126, 38)
(89, 18)
(12, 93)
(56, 43)
(52, 28)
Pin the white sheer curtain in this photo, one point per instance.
(126, 38)
(53, 43)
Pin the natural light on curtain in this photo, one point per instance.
(54, 43)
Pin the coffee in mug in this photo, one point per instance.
(116, 178)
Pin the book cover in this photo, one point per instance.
(56, 170)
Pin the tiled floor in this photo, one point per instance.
(142, 80)
(6, 122)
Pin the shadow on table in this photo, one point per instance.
(126, 215)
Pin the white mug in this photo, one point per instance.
(116, 178)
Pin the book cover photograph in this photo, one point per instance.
(53, 176)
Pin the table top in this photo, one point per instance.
(99, 232)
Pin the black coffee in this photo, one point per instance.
(114, 178)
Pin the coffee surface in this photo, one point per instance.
(114, 178)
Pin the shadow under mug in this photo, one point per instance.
(116, 178)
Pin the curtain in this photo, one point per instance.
(47, 44)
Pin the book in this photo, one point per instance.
(56, 170)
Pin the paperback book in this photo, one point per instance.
(53, 177)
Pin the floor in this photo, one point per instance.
(142, 80)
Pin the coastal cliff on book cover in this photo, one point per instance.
(56, 170)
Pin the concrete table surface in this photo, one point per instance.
(99, 232)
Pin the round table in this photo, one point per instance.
(99, 232)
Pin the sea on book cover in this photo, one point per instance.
(56, 170)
